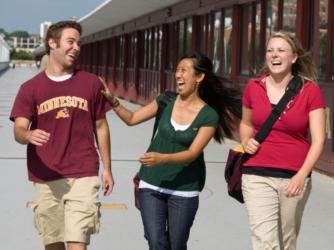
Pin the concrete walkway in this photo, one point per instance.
(221, 223)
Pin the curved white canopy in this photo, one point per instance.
(115, 12)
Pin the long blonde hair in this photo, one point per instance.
(304, 65)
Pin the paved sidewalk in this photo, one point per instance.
(221, 223)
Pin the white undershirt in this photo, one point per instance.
(143, 184)
(60, 78)
(179, 127)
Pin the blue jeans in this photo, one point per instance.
(167, 219)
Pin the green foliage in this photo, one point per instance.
(19, 33)
(322, 50)
(20, 55)
(2, 31)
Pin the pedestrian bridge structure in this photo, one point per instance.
(221, 223)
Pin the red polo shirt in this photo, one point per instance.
(287, 144)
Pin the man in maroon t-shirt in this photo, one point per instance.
(58, 114)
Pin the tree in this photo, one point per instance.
(12, 53)
(2, 31)
(20, 55)
(19, 33)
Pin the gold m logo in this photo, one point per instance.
(63, 113)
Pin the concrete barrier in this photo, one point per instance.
(4, 66)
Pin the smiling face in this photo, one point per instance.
(280, 56)
(186, 78)
(66, 51)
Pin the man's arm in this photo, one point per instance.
(24, 135)
(103, 141)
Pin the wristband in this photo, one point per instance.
(115, 103)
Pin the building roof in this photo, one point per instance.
(115, 12)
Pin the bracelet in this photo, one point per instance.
(115, 103)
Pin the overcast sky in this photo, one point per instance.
(28, 14)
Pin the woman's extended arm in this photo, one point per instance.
(135, 117)
(196, 148)
(317, 119)
(128, 116)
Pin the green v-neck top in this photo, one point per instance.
(186, 176)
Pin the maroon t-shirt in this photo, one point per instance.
(68, 111)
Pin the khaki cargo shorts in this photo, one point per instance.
(67, 210)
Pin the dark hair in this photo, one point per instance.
(226, 100)
(55, 30)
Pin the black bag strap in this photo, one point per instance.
(292, 90)
(167, 97)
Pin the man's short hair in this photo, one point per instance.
(55, 30)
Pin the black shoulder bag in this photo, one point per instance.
(235, 159)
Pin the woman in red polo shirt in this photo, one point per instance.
(276, 180)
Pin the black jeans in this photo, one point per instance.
(167, 219)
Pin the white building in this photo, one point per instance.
(4, 54)
(43, 29)
(25, 44)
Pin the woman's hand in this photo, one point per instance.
(106, 92)
(151, 159)
(251, 146)
(295, 186)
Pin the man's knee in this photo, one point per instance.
(55, 246)
(76, 246)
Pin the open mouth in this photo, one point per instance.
(73, 56)
(276, 63)
(180, 84)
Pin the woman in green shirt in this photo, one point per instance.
(173, 168)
